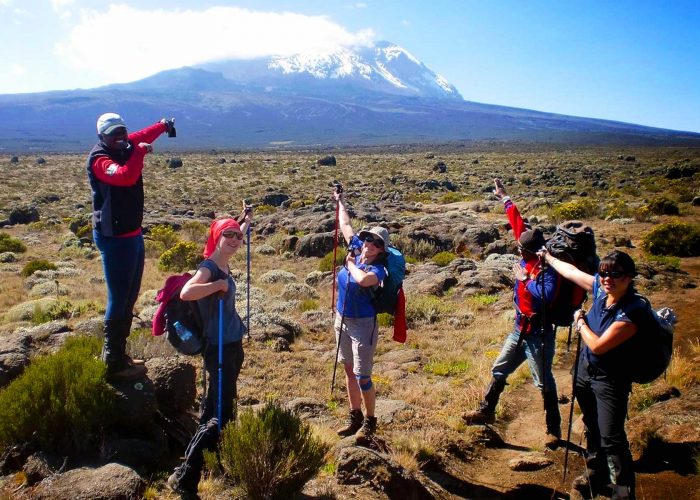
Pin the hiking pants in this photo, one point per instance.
(232, 361)
(122, 262)
(515, 350)
(190, 472)
(603, 401)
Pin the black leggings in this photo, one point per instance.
(232, 362)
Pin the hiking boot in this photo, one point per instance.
(123, 371)
(352, 424)
(552, 441)
(478, 417)
(583, 488)
(368, 429)
(173, 483)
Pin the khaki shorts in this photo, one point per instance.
(357, 343)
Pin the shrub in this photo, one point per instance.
(63, 309)
(165, 235)
(37, 265)
(446, 368)
(575, 209)
(663, 206)
(195, 231)
(10, 244)
(424, 309)
(385, 320)
(61, 401)
(181, 257)
(326, 262)
(308, 305)
(484, 299)
(681, 239)
(265, 210)
(618, 209)
(450, 198)
(443, 258)
(272, 453)
(416, 249)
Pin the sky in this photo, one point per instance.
(634, 61)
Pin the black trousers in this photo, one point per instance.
(603, 400)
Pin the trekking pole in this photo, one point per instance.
(568, 339)
(340, 335)
(247, 255)
(571, 409)
(339, 190)
(221, 359)
(544, 324)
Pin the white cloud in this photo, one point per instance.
(125, 43)
(405, 22)
(360, 5)
(6, 3)
(61, 4)
(17, 70)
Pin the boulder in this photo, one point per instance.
(14, 159)
(39, 466)
(530, 462)
(307, 407)
(23, 215)
(136, 403)
(109, 482)
(475, 239)
(14, 356)
(280, 344)
(362, 466)
(138, 452)
(440, 167)
(174, 382)
(429, 279)
(326, 161)
(401, 356)
(315, 245)
(40, 161)
(174, 162)
(275, 199)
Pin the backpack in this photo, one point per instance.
(652, 345)
(572, 242)
(386, 296)
(179, 319)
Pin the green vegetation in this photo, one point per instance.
(680, 239)
(326, 262)
(446, 368)
(265, 210)
(61, 401)
(63, 309)
(443, 258)
(663, 206)
(181, 257)
(484, 299)
(37, 265)
(385, 320)
(576, 209)
(450, 198)
(414, 249)
(10, 244)
(425, 309)
(272, 453)
(308, 305)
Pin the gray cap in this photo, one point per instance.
(380, 232)
(109, 122)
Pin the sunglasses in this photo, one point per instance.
(117, 132)
(233, 234)
(611, 274)
(377, 242)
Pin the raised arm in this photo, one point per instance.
(570, 272)
(343, 217)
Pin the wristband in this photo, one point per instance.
(505, 199)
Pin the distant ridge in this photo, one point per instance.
(367, 96)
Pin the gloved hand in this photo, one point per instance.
(171, 126)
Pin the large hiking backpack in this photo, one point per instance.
(652, 345)
(572, 242)
(179, 319)
(386, 296)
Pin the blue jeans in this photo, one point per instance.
(122, 262)
(513, 353)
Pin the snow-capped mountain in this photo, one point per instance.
(384, 67)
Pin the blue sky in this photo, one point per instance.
(633, 61)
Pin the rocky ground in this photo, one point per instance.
(459, 309)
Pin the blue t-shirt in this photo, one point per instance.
(630, 309)
(359, 299)
(209, 309)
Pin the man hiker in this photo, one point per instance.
(114, 170)
(532, 338)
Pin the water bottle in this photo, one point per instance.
(182, 331)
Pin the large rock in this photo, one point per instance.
(667, 434)
(530, 462)
(109, 482)
(430, 279)
(136, 403)
(14, 356)
(275, 199)
(315, 245)
(146, 451)
(23, 215)
(174, 380)
(327, 161)
(356, 465)
(475, 239)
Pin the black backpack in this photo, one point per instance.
(572, 242)
(183, 325)
(651, 347)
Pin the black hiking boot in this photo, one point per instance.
(552, 419)
(368, 429)
(125, 328)
(352, 424)
(173, 483)
(486, 414)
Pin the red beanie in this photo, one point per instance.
(217, 227)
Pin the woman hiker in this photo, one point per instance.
(212, 281)
(602, 385)
(356, 327)
(114, 169)
(530, 333)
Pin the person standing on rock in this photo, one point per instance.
(532, 340)
(356, 327)
(213, 281)
(602, 384)
(114, 168)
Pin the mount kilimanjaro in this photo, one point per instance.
(345, 97)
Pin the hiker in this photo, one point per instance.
(356, 327)
(114, 168)
(212, 279)
(602, 385)
(531, 340)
